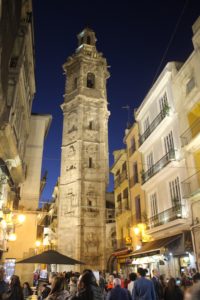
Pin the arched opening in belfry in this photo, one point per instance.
(90, 80)
(88, 40)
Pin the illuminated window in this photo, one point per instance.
(90, 80)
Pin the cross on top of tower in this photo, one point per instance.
(86, 36)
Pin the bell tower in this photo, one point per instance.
(84, 161)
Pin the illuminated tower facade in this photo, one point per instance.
(84, 161)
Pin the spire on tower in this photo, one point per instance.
(87, 36)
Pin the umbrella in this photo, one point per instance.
(50, 257)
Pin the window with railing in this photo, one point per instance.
(191, 186)
(138, 209)
(132, 146)
(158, 119)
(190, 133)
(154, 204)
(175, 194)
(159, 165)
(169, 215)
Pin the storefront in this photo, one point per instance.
(171, 256)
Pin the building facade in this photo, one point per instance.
(187, 92)
(17, 89)
(84, 161)
(169, 129)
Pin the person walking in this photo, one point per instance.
(118, 293)
(57, 289)
(132, 278)
(143, 288)
(15, 290)
(157, 285)
(3, 284)
(172, 291)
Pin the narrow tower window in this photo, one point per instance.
(91, 125)
(88, 40)
(90, 80)
(75, 82)
(90, 162)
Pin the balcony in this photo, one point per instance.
(171, 214)
(158, 119)
(191, 137)
(159, 165)
(120, 178)
(191, 186)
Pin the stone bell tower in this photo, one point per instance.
(84, 162)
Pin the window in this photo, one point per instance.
(138, 209)
(125, 193)
(175, 193)
(124, 167)
(135, 173)
(89, 203)
(133, 145)
(75, 82)
(154, 205)
(90, 162)
(146, 124)
(190, 85)
(91, 125)
(88, 40)
(119, 198)
(169, 142)
(90, 80)
(163, 102)
(150, 161)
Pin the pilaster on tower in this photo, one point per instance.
(84, 161)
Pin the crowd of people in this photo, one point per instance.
(85, 286)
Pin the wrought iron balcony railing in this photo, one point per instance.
(190, 133)
(158, 119)
(191, 186)
(120, 178)
(159, 165)
(171, 214)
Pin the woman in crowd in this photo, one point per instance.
(27, 290)
(172, 291)
(88, 288)
(57, 289)
(15, 290)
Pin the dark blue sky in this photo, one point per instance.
(133, 36)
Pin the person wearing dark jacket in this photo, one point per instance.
(143, 288)
(15, 291)
(88, 289)
(172, 291)
(157, 285)
(118, 293)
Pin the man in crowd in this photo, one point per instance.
(118, 293)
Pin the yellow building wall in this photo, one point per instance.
(24, 246)
(136, 189)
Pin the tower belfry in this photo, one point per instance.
(84, 161)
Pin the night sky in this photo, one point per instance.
(133, 35)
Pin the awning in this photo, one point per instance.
(154, 247)
(120, 252)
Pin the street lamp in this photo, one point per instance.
(37, 243)
(21, 218)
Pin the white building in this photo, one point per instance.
(165, 114)
(84, 161)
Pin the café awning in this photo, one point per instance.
(154, 247)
